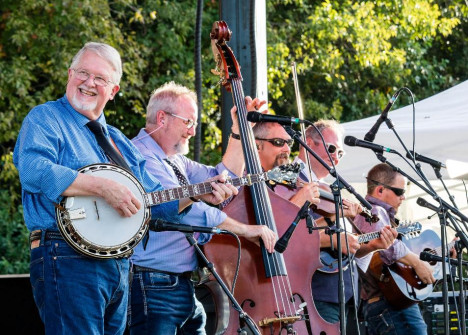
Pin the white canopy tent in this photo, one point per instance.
(441, 128)
(441, 133)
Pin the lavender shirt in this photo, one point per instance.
(170, 251)
(386, 214)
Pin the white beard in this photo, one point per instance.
(83, 106)
(182, 149)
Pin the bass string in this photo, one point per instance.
(281, 285)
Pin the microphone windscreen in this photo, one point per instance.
(254, 117)
(350, 140)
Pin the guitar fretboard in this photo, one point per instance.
(411, 228)
(368, 237)
(177, 193)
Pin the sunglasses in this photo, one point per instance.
(188, 122)
(398, 191)
(333, 148)
(278, 142)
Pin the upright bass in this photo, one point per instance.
(273, 289)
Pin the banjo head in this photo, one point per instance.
(92, 227)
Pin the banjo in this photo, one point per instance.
(94, 228)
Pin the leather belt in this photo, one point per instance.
(36, 236)
(187, 274)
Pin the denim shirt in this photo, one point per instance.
(53, 143)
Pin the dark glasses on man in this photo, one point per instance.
(398, 191)
(278, 142)
(333, 148)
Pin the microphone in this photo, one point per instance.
(162, 225)
(423, 203)
(428, 257)
(354, 142)
(370, 136)
(284, 120)
(424, 159)
(282, 243)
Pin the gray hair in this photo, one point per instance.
(321, 125)
(165, 97)
(106, 52)
(262, 129)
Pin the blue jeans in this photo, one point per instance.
(382, 319)
(163, 304)
(329, 311)
(76, 294)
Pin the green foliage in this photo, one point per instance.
(14, 250)
(352, 56)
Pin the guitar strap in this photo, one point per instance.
(104, 143)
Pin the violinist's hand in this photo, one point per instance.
(253, 233)
(252, 106)
(306, 191)
(351, 209)
(220, 191)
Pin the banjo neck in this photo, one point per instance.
(159, 197)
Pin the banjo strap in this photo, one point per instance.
(104, 143)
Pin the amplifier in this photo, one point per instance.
(433, 313)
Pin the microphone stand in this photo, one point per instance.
(336, 188)
(244, 318)
(442, 218)
(459, 249)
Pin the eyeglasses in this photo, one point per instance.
(188, 122)
(398, 191)
(333, 148)
(98, 80)
(278, 142)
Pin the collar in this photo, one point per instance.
(389, 209)
(149, 143)
(79, 118)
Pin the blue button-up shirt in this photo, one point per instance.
(52, 145)
(170, 251)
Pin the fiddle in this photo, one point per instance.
(326, 206)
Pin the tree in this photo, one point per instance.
(351, 56)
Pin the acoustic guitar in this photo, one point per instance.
(399, 283)
(329, 258)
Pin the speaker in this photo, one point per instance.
(18, 311)
(433, 313)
